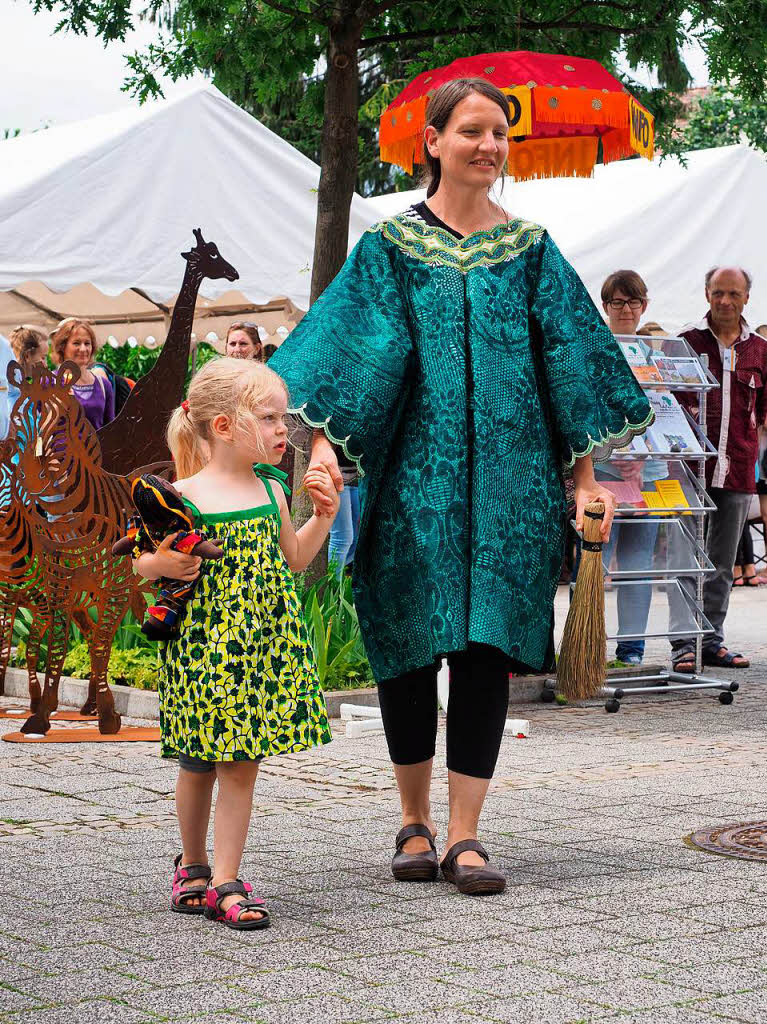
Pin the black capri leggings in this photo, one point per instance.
(479, 701)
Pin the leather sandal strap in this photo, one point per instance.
(461, 847)
(235, 888)
(409, 831)
(193, 871)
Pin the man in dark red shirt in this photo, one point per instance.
(738, 359)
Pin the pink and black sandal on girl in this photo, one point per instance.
(182, 893)
(232, 917)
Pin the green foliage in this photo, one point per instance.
(722, 119)
(270, 55)
(328, 609)
(135, 362)
(334, 632)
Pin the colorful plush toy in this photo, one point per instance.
(161, 512)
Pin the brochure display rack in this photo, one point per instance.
(660, 482)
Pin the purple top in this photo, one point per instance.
(97, 400)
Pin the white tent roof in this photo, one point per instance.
(668, 222)
(111, 201)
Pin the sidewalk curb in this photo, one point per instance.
(145, 703)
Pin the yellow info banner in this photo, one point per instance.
(642, 132)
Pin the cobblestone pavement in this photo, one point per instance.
(609, 916)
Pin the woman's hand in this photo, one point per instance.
(594, 490)
(323, 457)
(322, 490)
(166, 562)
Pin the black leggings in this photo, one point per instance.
(745, 553)
(479, 701)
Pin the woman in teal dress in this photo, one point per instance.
(459, 361)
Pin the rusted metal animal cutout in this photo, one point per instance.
(64, 515)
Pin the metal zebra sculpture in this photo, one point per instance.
(66, 512)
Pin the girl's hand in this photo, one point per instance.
(323, 454)
(322, 490)
(594, 490)
(173, 564)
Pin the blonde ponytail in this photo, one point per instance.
(230, 387)
(189, 451)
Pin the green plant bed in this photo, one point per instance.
(331, 621)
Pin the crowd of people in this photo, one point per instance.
(452, 369)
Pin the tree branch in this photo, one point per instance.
(294, 14)
(541, 26)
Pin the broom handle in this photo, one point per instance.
(593, 515)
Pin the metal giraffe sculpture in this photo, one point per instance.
(136, 438)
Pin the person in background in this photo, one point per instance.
(624, 300)
(6, 356)
(744, 571)
(29, 344)
(346, 526)
(75, 340)
(737, 357)
(243, 341)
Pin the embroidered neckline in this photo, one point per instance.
(435, 246)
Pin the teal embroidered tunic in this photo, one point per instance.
(463, 376)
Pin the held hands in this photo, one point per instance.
(324, 458)
(322, 490)
(594, 490)
(173, 564)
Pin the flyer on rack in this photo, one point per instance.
(670, 433)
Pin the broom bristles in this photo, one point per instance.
(582, 665)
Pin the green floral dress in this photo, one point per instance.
(238, 681)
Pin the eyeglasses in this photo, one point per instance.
(242, 323)
(620, 303)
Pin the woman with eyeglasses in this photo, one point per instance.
(243, 341)
(624, 300)
(75, 340)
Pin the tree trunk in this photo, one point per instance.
(339, 155)
(334, 197)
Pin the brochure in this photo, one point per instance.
(670, 433)
(627, 493)
(636, 356)
(679, 369)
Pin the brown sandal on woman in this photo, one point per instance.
(415, 867)
(467, 878)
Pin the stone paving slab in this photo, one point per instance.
(608, 916)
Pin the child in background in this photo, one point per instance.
(238, 681)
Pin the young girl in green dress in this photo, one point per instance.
(238, 681)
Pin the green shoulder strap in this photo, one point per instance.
(267, 471)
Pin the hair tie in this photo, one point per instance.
(185, 406)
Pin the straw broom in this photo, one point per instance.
(582, 665)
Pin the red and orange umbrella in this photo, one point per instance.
(561, 108)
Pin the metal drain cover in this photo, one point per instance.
(746, 840)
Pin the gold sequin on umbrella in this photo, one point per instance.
(410, 114)
(553, 102)
(596, 104)
(489, 71)
(569, 67)
(531, 85)
(393, 120)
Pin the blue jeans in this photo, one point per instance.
(633, 545)
(345, 529)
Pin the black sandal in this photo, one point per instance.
(685, 664)
(232, 917)
(182, 892)
(415, 867)
(468, 879)
(725, 659)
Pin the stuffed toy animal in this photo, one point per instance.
(161, 512)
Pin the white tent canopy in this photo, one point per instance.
(111, 202)
(668, 222)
